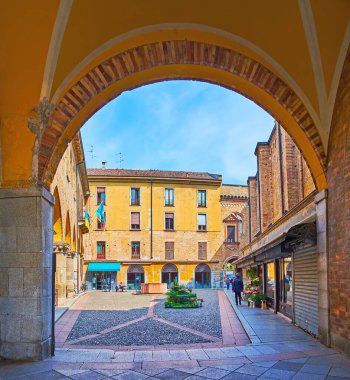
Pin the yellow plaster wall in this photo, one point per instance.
(118, 235)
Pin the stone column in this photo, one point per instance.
(323, 263)
(26, 248)
(70, 274)
(60, 250)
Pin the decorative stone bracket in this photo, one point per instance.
(61, 247)
(37, 122)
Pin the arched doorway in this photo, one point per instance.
(202, 276)
(135, 276)
(170, 274)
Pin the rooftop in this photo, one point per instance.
(126, 173)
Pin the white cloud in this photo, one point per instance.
(180, 125)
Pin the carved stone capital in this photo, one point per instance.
(61, 247)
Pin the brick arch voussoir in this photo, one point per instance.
(162, 53)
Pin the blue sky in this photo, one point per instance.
(179, 125)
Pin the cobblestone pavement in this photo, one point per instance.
(289, 354)
(124, 320)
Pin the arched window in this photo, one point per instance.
(202, 276)
(170, 274)
(135, 276)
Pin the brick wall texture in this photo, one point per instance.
(283, 180)
(339, 214)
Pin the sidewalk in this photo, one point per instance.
(280, 351)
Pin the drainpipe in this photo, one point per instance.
(279, 134)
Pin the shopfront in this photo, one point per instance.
(288, 275)
(102, 276)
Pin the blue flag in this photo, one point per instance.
(100, 212)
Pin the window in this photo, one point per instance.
(231, 234)
(101, 195)
(169, 220)
(202, 198)
(135, 220)
(169, 197)
(101, 249)
(135, 196)
(135, 249)
(202, 250)
(169, 250)
(202, 222)
(101, 226)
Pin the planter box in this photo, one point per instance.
(154, 288)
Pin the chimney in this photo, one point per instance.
(104, 164)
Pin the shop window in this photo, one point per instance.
(101, 226)
(270, 280)
(135, 249)
(169, 197)
(202, 250)
(135, 196)
(202, 222)
(135, 221)
(202, 198)
(101, 195)
(101, 250)
(169, 250)
(169, 221)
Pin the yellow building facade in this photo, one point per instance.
(159, 226)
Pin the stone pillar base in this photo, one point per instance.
(25, 273)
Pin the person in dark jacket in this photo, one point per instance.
(237, 288)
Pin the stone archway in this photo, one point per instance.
(96, 87)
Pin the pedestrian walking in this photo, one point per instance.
(227, 282)
(237, 288)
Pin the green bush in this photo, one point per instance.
(180, 297)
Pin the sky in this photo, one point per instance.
(178, 125)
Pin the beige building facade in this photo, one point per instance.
(160, 226)
(70, 188)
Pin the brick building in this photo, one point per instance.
(70, 188)
(286, 234)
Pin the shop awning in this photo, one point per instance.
(103, 267)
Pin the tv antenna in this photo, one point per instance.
(91, 151)
(120, 159)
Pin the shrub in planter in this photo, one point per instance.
(179, 297)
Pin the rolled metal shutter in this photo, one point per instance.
(306, 289)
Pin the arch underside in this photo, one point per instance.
(179, 59)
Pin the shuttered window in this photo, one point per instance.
(202, 198)
(169, 220)
(135, 220)
(101, 195)
(101, 249)
(202, 250)
(169, 197)
(135, 196)
(202, 222)
(169, 250)
(101, 226)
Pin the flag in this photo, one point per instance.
(100, 213)
(87, 219)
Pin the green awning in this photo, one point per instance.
(103, 267)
